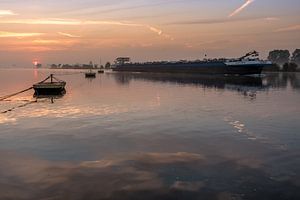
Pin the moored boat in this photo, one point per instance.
(90, 74)
(52, 87)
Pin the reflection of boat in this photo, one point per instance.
(90, 74)
(56, 87)
(248, 64)
(50, 97)
(58, 96)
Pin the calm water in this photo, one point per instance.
(151, 136)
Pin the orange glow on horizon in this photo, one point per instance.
(35, 62)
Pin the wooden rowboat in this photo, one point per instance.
(52, 87)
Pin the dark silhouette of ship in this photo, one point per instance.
(248, 64)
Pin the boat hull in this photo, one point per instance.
(49, 89)
(90, 75)
(197, 68)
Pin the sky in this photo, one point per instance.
(79, 31)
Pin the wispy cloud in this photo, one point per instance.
(6, 12)
(68, 35)
(240, 9)
(272, 18)
(39, 41)
(42, 21)
(4, 34)
(289, 28)
(74, 22)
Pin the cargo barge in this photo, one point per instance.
(248, 64)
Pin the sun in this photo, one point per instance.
(35, 62)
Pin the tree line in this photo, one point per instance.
(284, 61)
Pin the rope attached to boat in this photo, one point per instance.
(20, 106)
(14, 94)
(22, 91)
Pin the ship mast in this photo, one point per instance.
(252, 53)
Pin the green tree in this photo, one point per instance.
(272, 68)
(279, 56)
(296, 56)
(289, 67)
(107, 65)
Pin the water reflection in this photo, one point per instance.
(221, 82)
(245, 85)
(106, 141)
(140, 176)
(282, 80)
(50, 97)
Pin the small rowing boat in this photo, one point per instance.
(90, 74)
(52, 87)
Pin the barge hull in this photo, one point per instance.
(216, 68)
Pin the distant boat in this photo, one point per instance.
(100, 71)
(248, 64)
(53, 87)
(90, 74)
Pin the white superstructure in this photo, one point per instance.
(251, 58)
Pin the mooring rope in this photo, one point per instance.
(20, 106)
(25, 90)
(14, 94)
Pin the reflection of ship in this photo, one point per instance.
(191, 79)
(54, 87)
(248, 64)
(243, 84)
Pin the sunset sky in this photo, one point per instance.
(79, 31)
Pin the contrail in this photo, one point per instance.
(237, 11)
(68, 35)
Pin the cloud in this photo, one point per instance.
(289, 28)
(74, 22)
(272, 18)
(30, 48)
(68, 35)
(240, 9)
(4, 34)
(6, 12)
(46, 41)
(42, 21)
